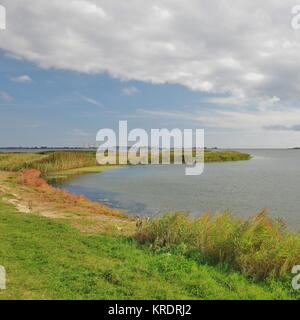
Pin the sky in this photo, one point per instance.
(69, 68)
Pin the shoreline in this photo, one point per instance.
(65, 175)
(32, 196)
(30, 193)
(53, 178)
(42, 183)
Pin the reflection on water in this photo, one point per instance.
(270, 180)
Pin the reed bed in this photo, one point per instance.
(48, 161)
(259, 246)
(55, 161)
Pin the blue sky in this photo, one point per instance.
(71, 67)
(66, 108)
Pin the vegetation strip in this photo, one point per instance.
(59, 161)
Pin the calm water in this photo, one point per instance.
(270, 180)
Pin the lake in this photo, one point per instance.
(270, 180)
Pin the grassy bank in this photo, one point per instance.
(49, 259)
(56, 245)
(58, 161)
(259, 247)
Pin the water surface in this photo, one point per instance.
(270, 180)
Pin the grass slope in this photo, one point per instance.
(48, 259)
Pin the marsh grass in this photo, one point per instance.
(258, 247)
(225, 155)
(19, 161)
(48, 161)
(58, 161)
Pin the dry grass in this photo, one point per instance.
(259, 246)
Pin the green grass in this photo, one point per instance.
(229, 155)
(58, 161)
(258, 247)
(48, 259)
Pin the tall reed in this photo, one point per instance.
(259, 246)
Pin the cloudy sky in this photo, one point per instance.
(71, 67)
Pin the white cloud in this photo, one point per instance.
(244, 53)
(253, 76)
(223, 46)
(161, 12)
(272, 118)
(129, 91)
(91, 101)
(21, 79)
